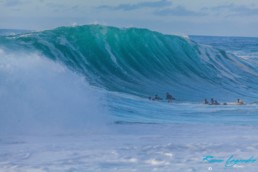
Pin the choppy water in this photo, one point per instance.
(91, 84)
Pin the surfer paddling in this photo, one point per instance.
(212, 102)
(240, 102)
(206, 102)
(215, 102)
(169, 97)
(156, 97)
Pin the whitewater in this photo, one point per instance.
(76, 99)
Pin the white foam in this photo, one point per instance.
(38, 95)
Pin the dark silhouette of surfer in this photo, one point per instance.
(240, 102)
(157, 97)
(206, 102)
(216, 102)
(212, 101)
(169, 97)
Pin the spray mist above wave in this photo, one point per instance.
(40, 96)
(143, 62)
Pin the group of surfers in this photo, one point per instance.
(215, 102)
(170, 98)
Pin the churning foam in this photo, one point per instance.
(38, 95)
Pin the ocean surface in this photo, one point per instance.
(77, 99)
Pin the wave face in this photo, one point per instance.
(143, 62)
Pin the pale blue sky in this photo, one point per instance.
(184, 17)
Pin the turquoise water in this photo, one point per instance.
(129, 65)
(144, 63)
(76, 99)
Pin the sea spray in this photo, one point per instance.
(40, 96)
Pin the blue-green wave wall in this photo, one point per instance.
(143, 62)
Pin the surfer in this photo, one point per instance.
(212, 101)
(157, 97)
(206, 101)
(216, 102)
(169, 97)
(240, 102)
